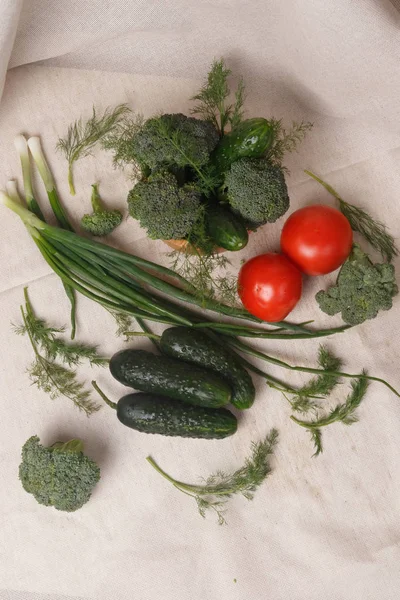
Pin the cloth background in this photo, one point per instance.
(318, 528)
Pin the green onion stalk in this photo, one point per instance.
(34, 145)
(37, 154)
(129, 284)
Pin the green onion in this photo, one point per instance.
(35, 147)
(21, 146)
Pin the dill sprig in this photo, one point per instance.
(212, 98)
(119, 142)
(373, 231)
(305, 398)
(286, 140)
(208, 274)
(82, 136)
(123, 322)
(55, 379)
(343, 413)
(219, 487)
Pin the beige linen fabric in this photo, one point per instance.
(318, 528)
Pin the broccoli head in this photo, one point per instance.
(101, 222)
(362, 289)
(166, 210)
(256, 190)
(60, 476)
(174, 140)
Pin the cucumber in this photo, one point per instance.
(251, 138)
(158, 414)
(148, 372)
(226, 229)
(194, 346)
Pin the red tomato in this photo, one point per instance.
(317, 239)
(269, 286)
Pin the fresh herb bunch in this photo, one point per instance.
(82, 136)
(344, 413)
(53, 378)
(213, 99)
(372, 230)
(219, 487)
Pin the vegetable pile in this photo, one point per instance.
(208, 186)
(189, 169)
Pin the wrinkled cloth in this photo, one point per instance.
(325, 527)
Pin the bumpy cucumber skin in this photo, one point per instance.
(195, 347)
(165, 416)
(251, 138)
(148, 372)
(226, 229)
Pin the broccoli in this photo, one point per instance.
(101, 221)
(362, 289)
(174, 140)
(60, 476)
(166, 210)
(256, 190)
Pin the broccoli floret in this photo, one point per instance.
(101, 222)
(174, 140)
(256, 190)
(166, 210)
(362, 289)
(60, 476)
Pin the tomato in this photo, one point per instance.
(317, 239)
(269, 286)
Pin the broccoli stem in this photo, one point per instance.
(95, 199)
(74, 445)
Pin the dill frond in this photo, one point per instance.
(212, 98)
(286, 140)
(53, 378)
(219, 487)
(208, 274)
(123, 322)
(119, 142)
(238, 112)
(344, 413)
(82, 136)
(319, 387)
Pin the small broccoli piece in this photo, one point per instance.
(362, 289)
(101, 221)
(60, 476)
(257, 191)
(174, 140)
(166, 210)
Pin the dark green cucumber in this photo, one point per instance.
(148, 372)
(226, 229)
(251, 138)
(196, 347)
(158, 414)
